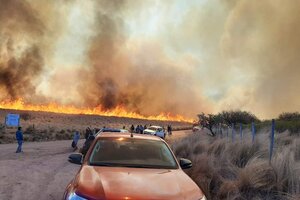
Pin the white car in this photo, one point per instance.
(155, 130)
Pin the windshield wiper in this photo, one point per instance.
(103, 164)
(130, 165)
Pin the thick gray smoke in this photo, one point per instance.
(20, 62)
(147, 84)
(153, 56)
(262, 39)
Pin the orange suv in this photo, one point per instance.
(126, 166)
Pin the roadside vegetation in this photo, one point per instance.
(43, 126)
(241, 169)
(224, 119)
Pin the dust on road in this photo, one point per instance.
(42, 170)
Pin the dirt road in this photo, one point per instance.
(41, 171)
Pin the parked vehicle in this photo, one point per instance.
(91, 138)
(155, 130)
(113, 130)
(196, 128)
(131, 166)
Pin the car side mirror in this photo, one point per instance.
(185, 163)
(75, 158)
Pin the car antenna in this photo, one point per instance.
(131, 135)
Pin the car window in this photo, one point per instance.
(132, 152)
(152, 128)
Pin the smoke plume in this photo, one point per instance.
(262, 39)
(142, 80)
(20, 62)
(153, 56)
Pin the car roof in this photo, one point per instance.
(127, 135)
(156, 126)
(113, 130)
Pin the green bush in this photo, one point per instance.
(288, 116)
(293, 126)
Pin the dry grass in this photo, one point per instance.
(241, 170)
(43, 126)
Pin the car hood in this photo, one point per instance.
(112, 183)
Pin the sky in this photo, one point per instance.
(151, 56)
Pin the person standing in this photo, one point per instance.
(75, 140)
(88, 131)
(132, 128)
(19, 137)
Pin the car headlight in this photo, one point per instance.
(74, 196)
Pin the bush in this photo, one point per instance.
(30, 130)
(2, 128)
(293, 126)
(238, 117)
(25, 116)
(287, 116)
(226, 118)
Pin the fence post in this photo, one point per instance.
(272, 139)
(221, 131)
(227, 133)
(241, 131)
(233, 133)
(253, 132)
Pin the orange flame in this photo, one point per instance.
(119, 111)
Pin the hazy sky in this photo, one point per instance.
(154, 56)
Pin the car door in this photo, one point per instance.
(160, 133)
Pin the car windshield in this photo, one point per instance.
(132, 152)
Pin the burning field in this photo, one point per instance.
(155, 60)
(100, 71)
(71, 64)
(45, 126)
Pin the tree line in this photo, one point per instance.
(229, 118)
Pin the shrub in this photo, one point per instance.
(289, 116)
(30, 130)
(25, 116)
(2, 128)
(293, 126)
(237, 117)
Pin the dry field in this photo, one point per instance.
(43, 126)
(241, 170)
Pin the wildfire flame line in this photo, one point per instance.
(119, 111)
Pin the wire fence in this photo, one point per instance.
(235, 130)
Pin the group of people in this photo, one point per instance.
(89, 137)
(138, 128)
(88, 134)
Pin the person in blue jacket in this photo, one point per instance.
(19, 137)
(76, 138)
